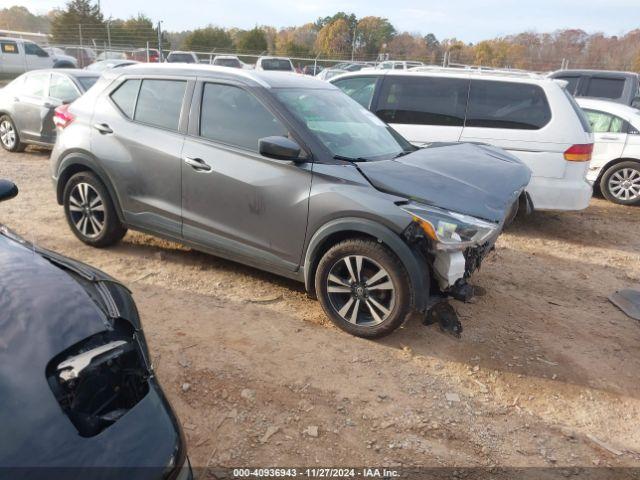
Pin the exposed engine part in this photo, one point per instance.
(100, 379)
(73, 367)
(445, 315)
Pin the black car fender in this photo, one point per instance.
(412, 261)
(77, 161)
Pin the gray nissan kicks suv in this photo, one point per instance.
(287, 174)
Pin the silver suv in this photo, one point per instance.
(285, 173)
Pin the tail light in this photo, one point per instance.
(62, 117)
(579, 153)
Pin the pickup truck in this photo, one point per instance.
(18, 56)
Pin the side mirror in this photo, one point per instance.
(8, 190)
(280, 148)
(43, 54)
(635, 103)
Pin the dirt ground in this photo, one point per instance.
(545, 374)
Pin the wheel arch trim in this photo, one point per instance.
(612, 163)
(414, 265)
(69, 166)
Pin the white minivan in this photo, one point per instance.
(528, 115)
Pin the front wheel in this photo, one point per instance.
(621, 183)
(363, 288)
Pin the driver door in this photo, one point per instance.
(36, 57)
(234, 200)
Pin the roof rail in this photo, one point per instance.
(478, 69)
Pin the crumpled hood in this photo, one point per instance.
(473, 179)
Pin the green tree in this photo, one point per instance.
(21, 19)
(205, 39)
(252, 41)
(135, 32)
(79, 19)
(372, 33)
(334, 38)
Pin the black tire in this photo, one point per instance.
(112, 229)
(611, 179)
(16, 145)
(64, 64)
(375, 256)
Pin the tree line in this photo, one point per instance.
(340, 36)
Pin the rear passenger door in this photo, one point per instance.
(12, 60)
(237, 202)
(30, 106)
(513, 116)
(423, 109)
(610, 136)
(137, 133)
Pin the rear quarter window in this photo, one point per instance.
(125, 96)
(498, 104)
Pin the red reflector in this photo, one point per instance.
(579, 153)
(62, 117)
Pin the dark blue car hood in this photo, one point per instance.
(473, 179)
(43, 311)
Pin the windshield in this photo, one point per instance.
(343, 125)
(227, 62)
(276, 64)
(87, 82)
(181, 58)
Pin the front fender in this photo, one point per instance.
(412, 261)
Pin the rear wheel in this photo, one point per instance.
(363, 288)
(621, 183)
(90, 212)
(9, 137)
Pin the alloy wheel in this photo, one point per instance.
(86, 209)
(361, 290)
(625, 184)
(7, 134)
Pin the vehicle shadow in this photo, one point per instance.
(542, 316)
(603, 225)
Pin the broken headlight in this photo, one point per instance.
(450, 230)
(97, 381)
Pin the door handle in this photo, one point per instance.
(197, 164)
(609, 137)
(103, 128)
(16, 99)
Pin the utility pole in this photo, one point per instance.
(109, 33)
(159, 41)
(353, 43)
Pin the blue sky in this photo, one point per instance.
(466, 20)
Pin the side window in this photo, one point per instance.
(605, 87)
(9, 47)
(62, 88)
(398, 66)
(125, 96)
(35, 84)
(160, 102)
(494, 104)
(572, 83)
(422, 100)
(602, 122)
(234, 116)
(33, 49)
(359, 88)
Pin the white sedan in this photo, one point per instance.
(615, 163)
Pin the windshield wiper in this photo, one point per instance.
(403, 153)
(350, 159)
